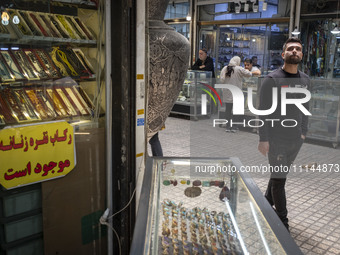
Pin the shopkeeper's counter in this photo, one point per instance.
(186, 210)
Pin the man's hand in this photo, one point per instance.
(202, 66)
(303, 137)
(263, 148)
(256, 72)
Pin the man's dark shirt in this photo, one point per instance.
(279, 79)
(209, 66)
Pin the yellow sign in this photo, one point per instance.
(36, 153)
(140, 111)
(140, 76)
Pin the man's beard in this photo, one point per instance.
(293, 60)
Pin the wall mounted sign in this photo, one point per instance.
(35, 153)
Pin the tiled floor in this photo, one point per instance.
(313, 198)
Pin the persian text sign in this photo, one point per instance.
(36, 153)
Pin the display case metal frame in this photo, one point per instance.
(141, 243)
(192, 89)
(324, 123)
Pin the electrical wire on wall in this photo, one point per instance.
(105, 217)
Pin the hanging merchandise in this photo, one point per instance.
(316, 51)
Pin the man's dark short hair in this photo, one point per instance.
(252, 58)
(290, 40)
(205, 50)
(248, 60)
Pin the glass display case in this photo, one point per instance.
(197, 88)
(254, 83)
(248, 82)
(51, 61)
(205, 206)
(48, 65)
(325, 109)
(264, 41)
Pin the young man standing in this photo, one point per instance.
(248, 64)
(254, 60)
(282, 143)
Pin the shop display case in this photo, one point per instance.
(254, 83)
(197, 85)
(251, 82)
(232, 42)
(45, 69)
(325, 109)
(260, 40)
(50, 65)
(205, 206)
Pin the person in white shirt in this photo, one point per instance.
(232, 74)
(248, 64)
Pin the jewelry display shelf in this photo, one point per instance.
(188, 207)
(47, 28)
(44, 68)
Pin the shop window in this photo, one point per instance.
(316, 38)
(176, 10)
(261, 9)
(183, 29)
(264, 41)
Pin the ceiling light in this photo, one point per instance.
(5, 22)
(16, 20)
(4, 16)
(255, 8)
(264, 6)
(296, 31)
(188, 17)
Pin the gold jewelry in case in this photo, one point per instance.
(30, 23)
(85, 62)
(84, 99)
(14, 69)
(76, 28)
(5, 73)
(22, 26)
(88, 33)
(26, 104)
(43, 97)
(59, 27)
(36, 64)
(61, 67)
(65, 60)
(37, 104)
(69, 106)
(44, 19)
(27, 68)
(47, 62)
(67, 26)
(16, 110)
(58, 105)
(76, 101)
